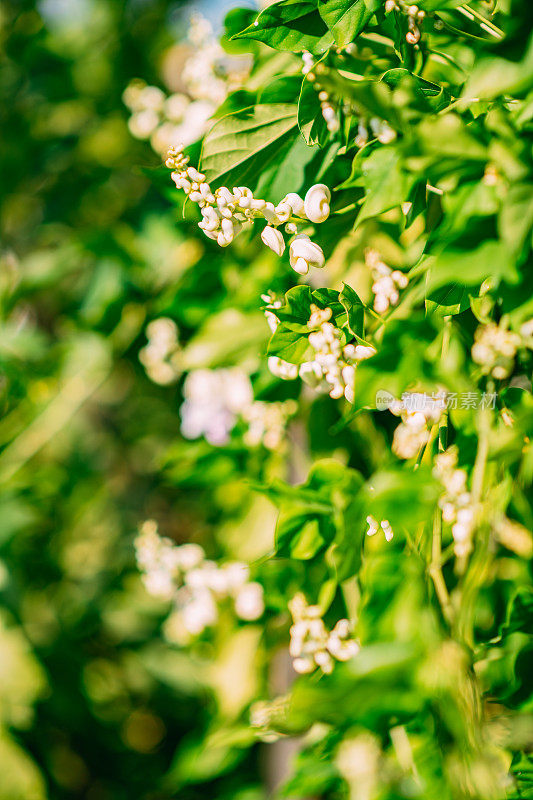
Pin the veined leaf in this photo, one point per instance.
(347, 18)
(234, 143)
(386, 184)
(290, 25)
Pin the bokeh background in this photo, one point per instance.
(93, 703)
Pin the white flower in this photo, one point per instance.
(143, 123)
(494, 350)
(374, 526)
(249, 603)
(282, 369)
(213, 401)
(296, 203)
(311, 644)
(273, 239)
(304, 254)
(316, 203)
(160, 357)
(387, 282)
(456, 502)
(267, 423)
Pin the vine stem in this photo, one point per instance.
(435, 566)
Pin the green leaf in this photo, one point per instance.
(347, 18)
(387, 185)
(402, 496)
(498, 76)
(242, 144)
(448, 300)
(299, 536)
(289, 345)
(296, 310)
(290, 25)
(519, 613)
(355, 311)
(310, 119)
(472, 267)
(516, 216)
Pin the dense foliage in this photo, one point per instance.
(315, 407)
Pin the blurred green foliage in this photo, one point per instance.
(96, 701)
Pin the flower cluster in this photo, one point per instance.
(273, 302)
(374, 127)
(160, 357)
(494, 350)
(165, 120)
(195, 584)
(312, 645)
(208, 75)
(282, 369)
(415, 17)
(387, 282)
(214, 398)
(374, 526)
(225, 212)
(268, 422)
(329, 112)
(456, 502)
(419, 412)
(333, 367)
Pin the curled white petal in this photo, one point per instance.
(304, 253)
(316, 203)
(296, 203)
(273, 239)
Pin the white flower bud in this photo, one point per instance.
(194, 175)
(283, 211)
(362, 352)
(273, 239)
(304, 253)
(316, 203)
(296, 203)
(282, 369)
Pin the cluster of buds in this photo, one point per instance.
(387, 282)
(415, 17)
(161, 356)
(195, 585)
(165, 120)
(210, 73)
(419, 413)
(333, 366)
(374, 127)
(282, 369)
(329, 111)
(374, 526)
(267, 423)
(456, 502)
(273, 302)
(214, 399)
(312, 645)
(494, 350)
(332, 370)
(225, 212)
